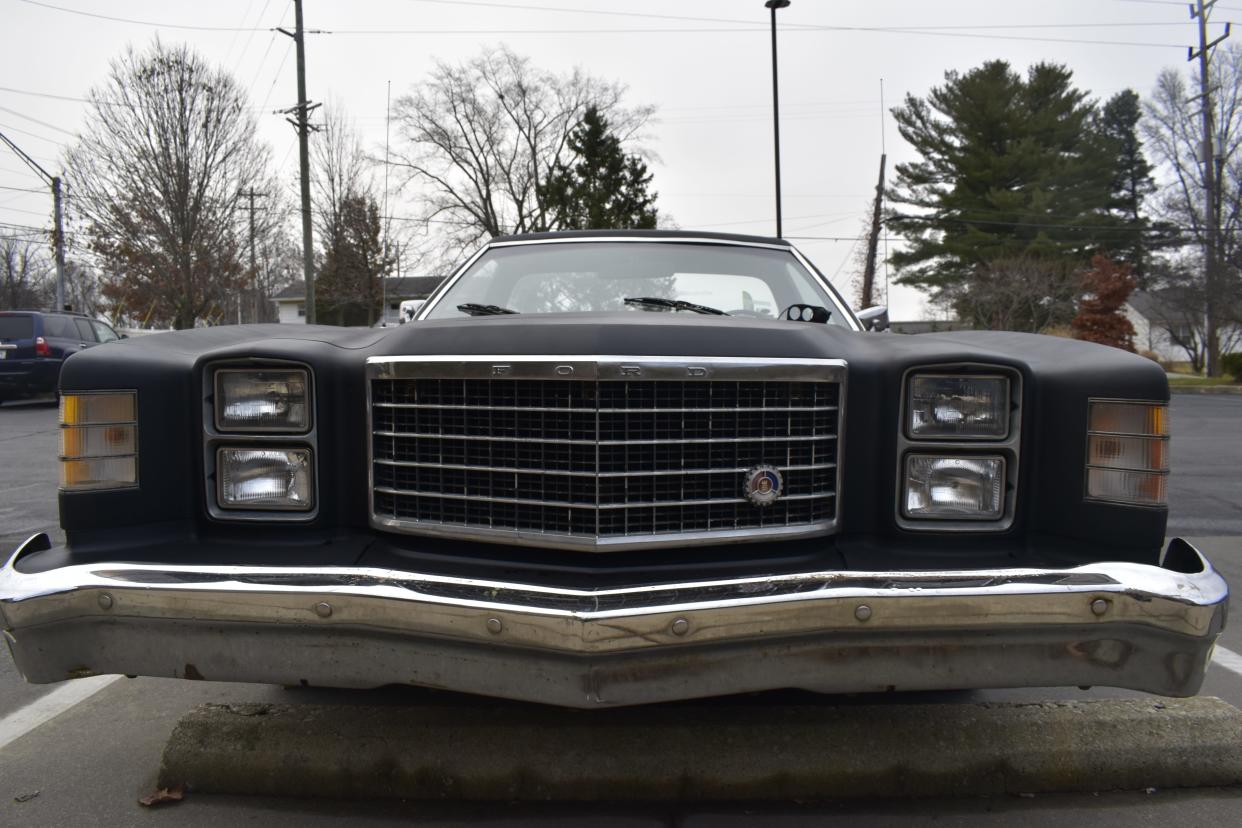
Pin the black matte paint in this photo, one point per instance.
(1053, 521)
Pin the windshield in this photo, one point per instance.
(568, 277)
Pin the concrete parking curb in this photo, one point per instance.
(721, 752)
(1206, 389)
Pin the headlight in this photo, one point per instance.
(1128, 452)
(98, 440)
(265, 479)
(262, 400)
(961, 407)
(956, 488)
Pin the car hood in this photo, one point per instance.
(625, 333)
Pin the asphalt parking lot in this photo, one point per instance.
(90, 763)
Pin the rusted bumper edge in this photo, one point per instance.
(1124, 625)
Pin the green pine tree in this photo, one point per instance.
(347, 289)
(1132, 183)
(1009, 171)
(604, 188)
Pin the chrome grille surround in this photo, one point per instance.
(602, 453)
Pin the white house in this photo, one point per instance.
(1158, 325)
(291, 302)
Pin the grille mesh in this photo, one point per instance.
(601, 459)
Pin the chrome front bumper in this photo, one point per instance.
(1112, 624)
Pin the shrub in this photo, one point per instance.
(1232, 364)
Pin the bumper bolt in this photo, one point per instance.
(863, 612)
(495, 626)
(1099, 606)
(680, 627)
(323, 609)
(105, 600)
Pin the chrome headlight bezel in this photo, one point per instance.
(215, 439)
(1007, 448)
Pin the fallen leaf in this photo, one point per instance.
(174, 794)
(26, 797)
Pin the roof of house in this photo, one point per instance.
(405, 287)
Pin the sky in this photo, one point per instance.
(704, 64)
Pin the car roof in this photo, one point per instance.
(641, 234)
(32, 311)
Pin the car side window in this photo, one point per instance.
(84, 330)
(104, 332)
(59, 326)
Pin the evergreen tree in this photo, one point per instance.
(604, 188)
(347, 290)
(1132, 183)
(1009, 171)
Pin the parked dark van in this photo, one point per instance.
(34, 344)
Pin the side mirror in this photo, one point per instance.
(123, 336)
(874, 318)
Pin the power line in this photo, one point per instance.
(739, 26)
(135, 22)
(12, 128)
(37, 121)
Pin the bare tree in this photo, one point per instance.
(168, 145)
(478, 140)
(1023, 293)
(339, 170)
(1172, 127)
(24, 273)
(82, 290)
(1177, 310)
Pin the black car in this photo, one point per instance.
(34, 345)
(610, 469)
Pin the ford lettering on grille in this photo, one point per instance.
(605, 453)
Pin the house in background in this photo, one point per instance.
(291, 302)
(1159, 325)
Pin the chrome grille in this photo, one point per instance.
(610, 453)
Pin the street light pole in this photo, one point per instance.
(776, 111)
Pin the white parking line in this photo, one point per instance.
(1228, 659)
(45, 708)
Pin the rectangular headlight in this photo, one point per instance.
(278, 479)
(266, 400)
(961, 407)
(954, 487)
(1128, 452)
(98, 440)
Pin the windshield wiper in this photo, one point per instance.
(674, 304)
(483, 310)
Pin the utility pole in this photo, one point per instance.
(58, 241)
(1211, 217)
(251, 195)
(302, 110)
(873, 241)
(58, 214)
(387, 220)
(776, 111)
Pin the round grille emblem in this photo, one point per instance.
(762, 485)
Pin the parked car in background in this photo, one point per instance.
(609, 469)
(34, 345)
